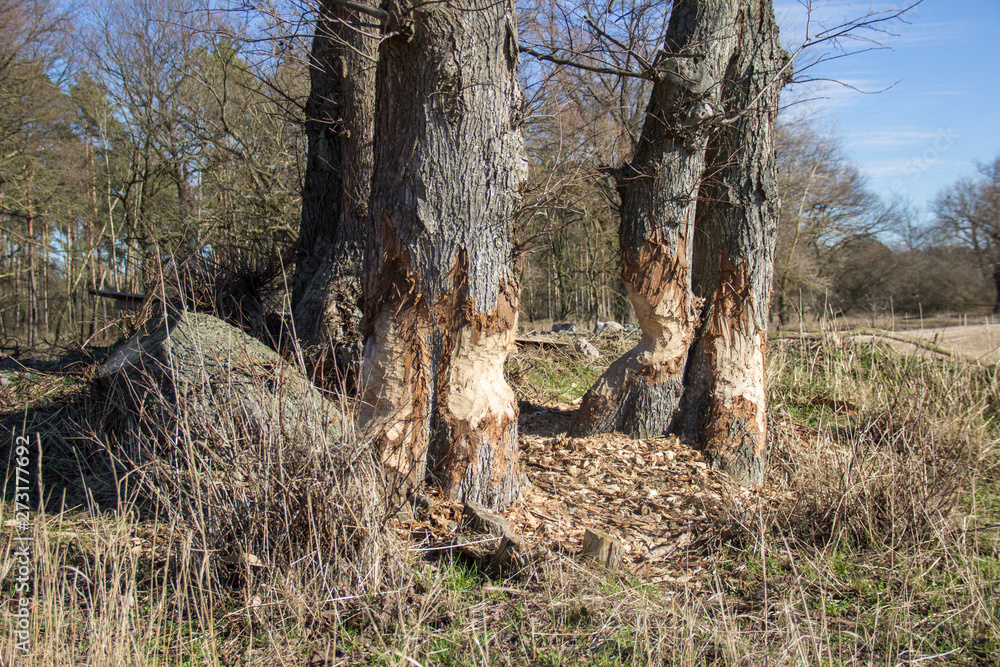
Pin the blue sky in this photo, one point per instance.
(941, 111)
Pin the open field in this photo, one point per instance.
(981, 341)
(973, 338)
(874, 541)
(977, 336)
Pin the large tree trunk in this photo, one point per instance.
(725, 404)
(441, 298)
(640, 393)
(327, 284)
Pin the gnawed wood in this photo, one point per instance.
(602, 548)
(640, 393)
(726, 383)
(441, 297)
(725, 401)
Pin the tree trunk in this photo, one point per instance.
(640, 393)
(725, 404)
(326, 286)
(441, 297)
(996, 283)
(46, 287)
(33, 320)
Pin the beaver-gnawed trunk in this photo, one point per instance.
(441, 299)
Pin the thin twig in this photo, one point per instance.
(638, 58)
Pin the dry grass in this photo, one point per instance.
(876, 543)
(193, 538)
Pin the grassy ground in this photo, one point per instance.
(874, 543)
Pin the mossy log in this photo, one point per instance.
(184, 363)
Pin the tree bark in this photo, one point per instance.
(996, 283)
(441, 297)
(327, 283)
(725, 402)
(34, 335)
(640, 393)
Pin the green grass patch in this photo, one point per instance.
(552, 377)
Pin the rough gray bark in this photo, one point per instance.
(725, 402)
(327, 283)
(640, 393)
(441, 297)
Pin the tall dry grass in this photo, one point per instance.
(197, 537)
(208, 543)
(893, 445)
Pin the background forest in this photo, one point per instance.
(133, 132)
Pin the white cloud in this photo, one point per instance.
(827, 96)
(798, 19)
(909, 168)
(927, 34)
(897, 137)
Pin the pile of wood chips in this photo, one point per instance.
(658, 497)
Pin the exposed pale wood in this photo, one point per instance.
(640, 393)
(441, 294)
(725, 395)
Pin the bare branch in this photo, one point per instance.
(374, 12)
(552, 58)
(638, 58)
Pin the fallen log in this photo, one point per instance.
(188, 363)
(541, 341)
(879, 333)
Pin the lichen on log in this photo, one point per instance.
(184, 362)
